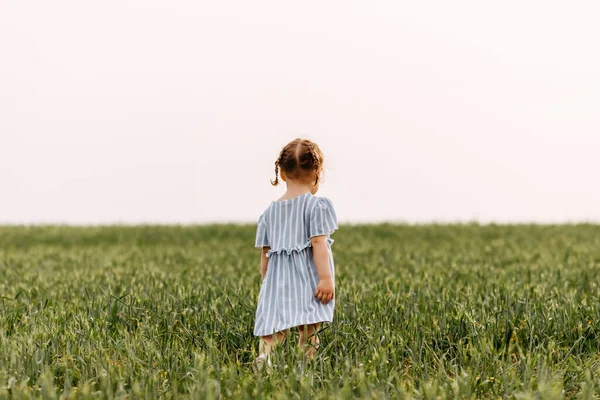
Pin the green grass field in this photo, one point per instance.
(462, 311)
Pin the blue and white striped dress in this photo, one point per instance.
(287, 294)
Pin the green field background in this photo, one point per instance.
(426, 311)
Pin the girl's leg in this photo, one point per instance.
(267, 343)
(309, 340)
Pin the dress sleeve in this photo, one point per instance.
(261, 233)
(323, 220)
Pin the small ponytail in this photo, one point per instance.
(316, 159)
(276, 181)
(277, 163)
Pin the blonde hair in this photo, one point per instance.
(298, 159)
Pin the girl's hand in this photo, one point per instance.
(325, 290)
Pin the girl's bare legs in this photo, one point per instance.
(309, 340)
(267, 343)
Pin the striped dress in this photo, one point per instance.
(287, 293)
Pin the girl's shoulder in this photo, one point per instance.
(323, 202)
(320, 204)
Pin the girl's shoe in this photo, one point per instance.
(263, 361)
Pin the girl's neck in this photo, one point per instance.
(295, 189)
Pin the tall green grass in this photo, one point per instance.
(432, 312)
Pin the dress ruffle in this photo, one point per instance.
(297, 248)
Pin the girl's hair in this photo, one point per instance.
(298, 159)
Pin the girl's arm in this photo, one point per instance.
(264, 260)
(325, 288)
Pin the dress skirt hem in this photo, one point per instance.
(259, 334)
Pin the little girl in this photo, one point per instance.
(296, 263)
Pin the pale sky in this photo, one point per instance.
(142, 111)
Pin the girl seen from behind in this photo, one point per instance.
(296, 265)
